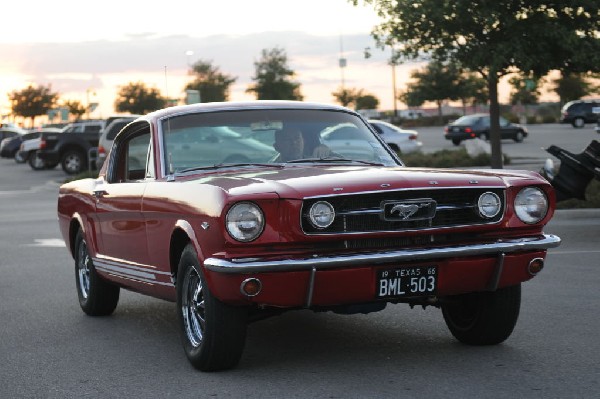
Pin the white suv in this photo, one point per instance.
(108, 135)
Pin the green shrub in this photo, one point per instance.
(84, 175)
(592, 198)
(448, 159)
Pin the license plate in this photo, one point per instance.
(407, 281)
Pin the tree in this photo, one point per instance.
(344, 96)
(75, 108)
(572, 86)
(472, 89)
(366, 101)
(273, 77)
(494, 38)
(32, 101)
(525, 90)
(212, 84)
(437, 82)
(136, 98)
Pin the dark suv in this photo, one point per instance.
(579, 112)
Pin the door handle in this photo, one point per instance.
(100, 193)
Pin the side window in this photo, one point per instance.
(137, 152)
(130, 155)
(92, 128)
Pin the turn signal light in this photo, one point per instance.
(535, 266)
(251, 287)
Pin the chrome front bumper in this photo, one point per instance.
(502, 246)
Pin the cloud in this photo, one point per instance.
(106, 64)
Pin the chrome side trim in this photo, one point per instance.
(134, 272)
(505, 246)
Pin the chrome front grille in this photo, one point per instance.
(357, 213)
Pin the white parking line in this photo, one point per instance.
(48, 243)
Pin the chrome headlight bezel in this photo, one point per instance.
(321, 214)
(245, 221)
(531, 205)
(489, 205)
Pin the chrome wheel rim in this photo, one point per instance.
(83, 270)
(73, 163)
(193, 307)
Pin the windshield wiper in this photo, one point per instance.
(333, 159)
(228, 165)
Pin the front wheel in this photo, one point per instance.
(483, 318)
(20, 157)
(96, 296)
(213, 333)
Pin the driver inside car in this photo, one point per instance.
(290, 144)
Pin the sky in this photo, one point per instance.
(87, 50)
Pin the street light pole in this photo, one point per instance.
(393, 62)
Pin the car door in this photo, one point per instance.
(507, 129)
(122, 246)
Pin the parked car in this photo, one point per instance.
(107, 135)
(478, 126)
(6, 136)
(75, 148)
(402, 141)
(580, 112)
(234, 241)
(29, 144)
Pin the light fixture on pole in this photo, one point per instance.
(342, 61)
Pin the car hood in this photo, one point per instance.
(307, 181)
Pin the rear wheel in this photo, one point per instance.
(96, 296)
(578, 122)
(456, 141)
(73, 162)
(519, 136)
(213, 333)
(35, 161)
(483, 318)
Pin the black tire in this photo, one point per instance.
(483, 318)
(213, 333)
(97, 297)
(519, 136)
(456, 141)
(73, 162)
(35, 161)
(578, 122)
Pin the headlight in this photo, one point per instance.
(489, 205)
(321, 214)
(531, 205)
(245, 221)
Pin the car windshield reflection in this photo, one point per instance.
(257, 137)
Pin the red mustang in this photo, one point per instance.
(241, 210)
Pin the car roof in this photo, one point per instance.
(242, 105)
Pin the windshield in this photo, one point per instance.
(209, 139)
(467, 120)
